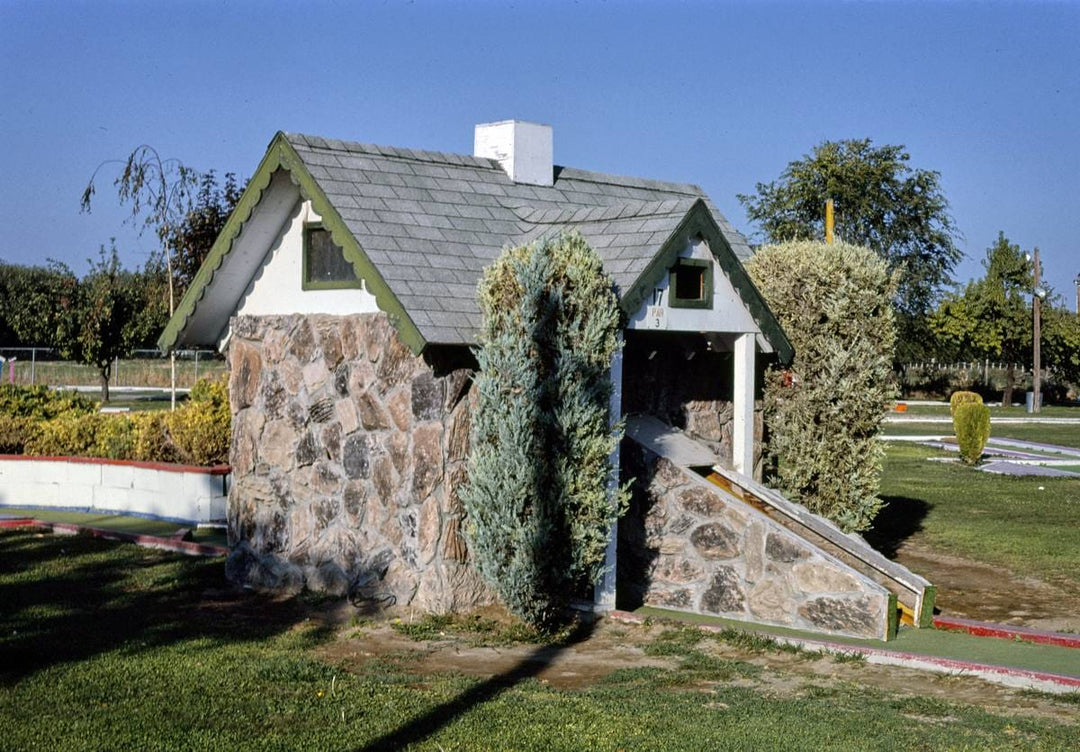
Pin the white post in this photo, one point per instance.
(742, 435)
(604, 593)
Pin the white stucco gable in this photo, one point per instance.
(727, 313)
(263, 272)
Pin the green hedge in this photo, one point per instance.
(971, 421)
(197, 433)
(963, 398)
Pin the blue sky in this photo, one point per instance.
(721, 94)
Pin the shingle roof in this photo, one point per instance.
(430, 222)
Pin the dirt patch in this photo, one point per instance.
(612, 645)
(972, 590)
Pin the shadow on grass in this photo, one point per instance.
(423, 726)
(900, 518)
(68, 599)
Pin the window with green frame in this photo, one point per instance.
(690, 284)
(325, 265)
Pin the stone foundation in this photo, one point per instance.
(687, 546)
(347, 451)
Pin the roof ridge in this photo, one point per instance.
(576, 173)
(391, 152)
(603, 212)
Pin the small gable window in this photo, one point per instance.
(690, 284)
(325, 265)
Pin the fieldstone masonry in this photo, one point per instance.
(687, 546)
(347, 451)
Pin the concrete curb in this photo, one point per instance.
(1003, 675)
(188, 548)
(1006, 632)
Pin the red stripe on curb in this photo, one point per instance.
(168, 467)
(147, 541)
(1006, 632)
(913, 660)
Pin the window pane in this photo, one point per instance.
(326, 261)
(689, 282)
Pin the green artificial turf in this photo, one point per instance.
(107, 646)
(932, 642)
(1027, 524)
(119, 523)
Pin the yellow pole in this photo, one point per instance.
(829, 221)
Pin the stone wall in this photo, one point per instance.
(685, 545)
(678, 379)
(346, 453)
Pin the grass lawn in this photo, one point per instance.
(109, 646)
(1065, 435)
(1013, 411)
(1028, 525)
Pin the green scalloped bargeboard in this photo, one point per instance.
(281, 156)
(699, 221)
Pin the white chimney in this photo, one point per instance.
(523, 149)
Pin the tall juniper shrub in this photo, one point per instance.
(835, 304)
(539, 499)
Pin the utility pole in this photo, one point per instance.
(1077, 283)
(829, 223)
(1036, 332)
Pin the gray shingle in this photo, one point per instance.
(432, 221)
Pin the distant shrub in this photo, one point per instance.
(15, 433)
(197, 433)
(971, 421)
(67, 436)
(200, 429)
(962, 398)
(42, 403)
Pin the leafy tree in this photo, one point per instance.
(179, 203)
(31, 299)
(824, 415)
(110, 313)
(991, 317)
(880, 203)
(191, 239)
(539, 499)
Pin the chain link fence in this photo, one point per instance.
(145, 368)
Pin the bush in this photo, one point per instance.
(971, 421)
(197, 433)
(15, 433)
(67, 436)
(43, 403)
(835, 304)
(539, 500)
(963, 398)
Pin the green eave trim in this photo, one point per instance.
(281, 155)
(699, 221)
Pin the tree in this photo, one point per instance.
(991, 317)
(824, 414)
(31, 299)
(191, 239)
(539, 498)
(108, 314)
(160, 193)
(880, 203)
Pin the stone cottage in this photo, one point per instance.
(343, 289)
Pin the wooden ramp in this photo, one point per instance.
(914, 594)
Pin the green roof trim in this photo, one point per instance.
(699, 221)
(280, 155)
